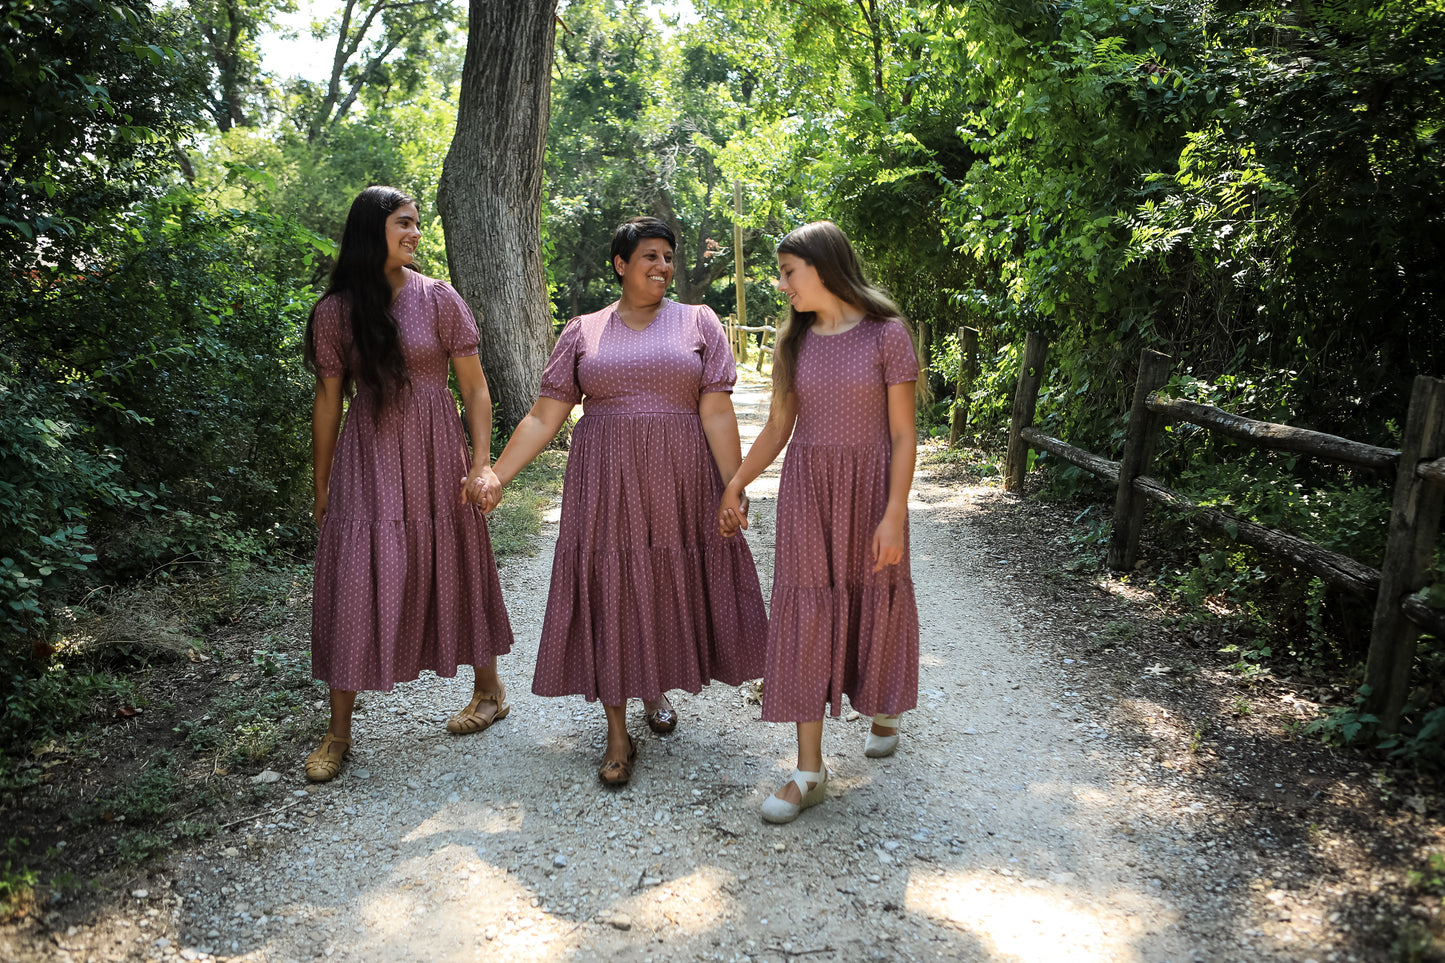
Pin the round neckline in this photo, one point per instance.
(838, 334)
(662, 306)
(406, 283)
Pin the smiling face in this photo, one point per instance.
(798, 281)
(403, 233)
(646, 275)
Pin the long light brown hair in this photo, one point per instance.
(823, 245)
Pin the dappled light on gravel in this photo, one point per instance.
(468, 816)
(1035, 921)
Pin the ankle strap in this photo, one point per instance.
(803, 778)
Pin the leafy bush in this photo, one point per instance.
(153, 407)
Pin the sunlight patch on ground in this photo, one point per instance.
(468, 817)
(1033, 921)
(691, 904)
(454, 903)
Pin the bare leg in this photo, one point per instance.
(810, 759)
(885, 731)
(486, 679)
(325, 762)
(341, 706)
(619, 746)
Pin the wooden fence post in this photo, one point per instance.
(1144, 427)
(763, 346)
(1026, 396)
(967, 371)
(1409, 554)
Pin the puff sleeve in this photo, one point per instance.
(456, 328)
(559, 378)
(900, 362)
(327, 327)
(719, 371)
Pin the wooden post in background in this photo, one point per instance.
(963, 393)
(1026, 396)
(742, 294)
(921, 347)
(1144, 428)
(763, 346)
(1409, 554)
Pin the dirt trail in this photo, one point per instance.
(1016, 823)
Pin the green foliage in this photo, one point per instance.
(1431, 878)
(17, 881)
(45, 700)
(94, 97)
(153, 406)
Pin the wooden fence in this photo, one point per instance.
(738, 338)
(1414, 528)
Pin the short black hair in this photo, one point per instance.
(631, 232)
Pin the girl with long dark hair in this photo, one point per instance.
(405, 578)
(843, 619)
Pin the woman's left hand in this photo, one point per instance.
(480, 488)
(888, 542)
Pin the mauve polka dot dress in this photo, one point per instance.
(835, 627)
(646, 596)
(405, 578)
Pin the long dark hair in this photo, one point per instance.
(359, 280)
(823, 245)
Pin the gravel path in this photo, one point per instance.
(1016, 823)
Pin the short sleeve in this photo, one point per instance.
(900, 361)
(456, 328)
(559, 378)
(719, 371)
(326, 328)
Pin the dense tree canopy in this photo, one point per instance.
(1252, 186)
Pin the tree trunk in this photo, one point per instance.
(490, 195)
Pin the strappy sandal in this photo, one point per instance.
(876, 747)
(778, 810)
(616, 774)
(322, 765)
(469, 720)
(663, 719)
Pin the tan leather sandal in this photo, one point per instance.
(324, 764)
(472, 719)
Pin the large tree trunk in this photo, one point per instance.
(490, 194)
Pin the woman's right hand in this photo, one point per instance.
(318, 507)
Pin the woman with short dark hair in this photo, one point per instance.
(404, 579)
(646, 595)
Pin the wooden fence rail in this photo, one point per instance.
(1401, 611)
(738, 339)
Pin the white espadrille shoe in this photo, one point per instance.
(777, 810)
(879, 746)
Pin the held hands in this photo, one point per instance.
(482, 488)
(732, 512)
(888, 541)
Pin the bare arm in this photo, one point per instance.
(477, 406)
(534, 433)
(764, 452)
(720, 425)
(903, 437)
(325, 425)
